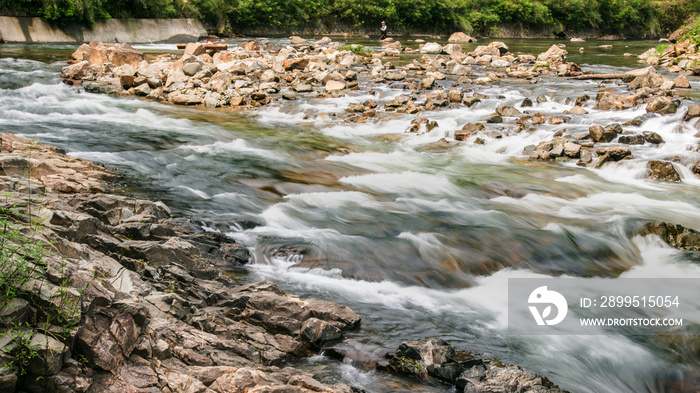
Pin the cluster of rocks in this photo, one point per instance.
(154, 311)
(677, 56)
(255, 74)
(468, 372)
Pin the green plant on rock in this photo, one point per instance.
(21, 350)
(20, 257)
(660, 49)
(356, 49)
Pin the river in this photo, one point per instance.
(418, 238)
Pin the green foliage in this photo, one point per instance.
(692, 32)
(357, 49)
(21, 350)
(471, 16)
(20, 257)
(660, 49)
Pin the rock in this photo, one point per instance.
(14, 164)
(461, 38)
(629, 76)
(296, 40)
(413, 358)
(473, 127)
(462, 135)
(14, 313)
(692, 113)
(608, 101)
(49, 355)
(99, 53)
(495, 119)
(507, 379)
(577, 110)
(508, 111)
(681, 82)
(572, 150)
(107, 337)
(333, 85)
(615, 153)
(317, 332)
(451, 48)
(455, 95)
(427, 83)
(502, 47)
(485, 50)
(76, 71)
(142, 90)
(194, 49)
(663, 171)
(631, 139)
(303, 88)
(431, 48)
(185, 99)
(676, 236)
(553, 55)
(498, 63)
(600, 134)
(662, 105)
(652, 137)
(190, 69)
(526, 103)
(296, 64)
(651, 81)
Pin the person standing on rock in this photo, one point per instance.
(382, 30)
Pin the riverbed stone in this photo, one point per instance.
(431, 48)
(662, 105)
(631, 139)
(600, 134)
(663, 171)
(460, 37)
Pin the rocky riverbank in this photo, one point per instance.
(128, 298)
(439, 77)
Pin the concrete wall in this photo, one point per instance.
(38, 30)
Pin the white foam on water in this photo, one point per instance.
(404, 183)
(381, 162)
(234, 146)
(198, 193)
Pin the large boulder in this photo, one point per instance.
(663, 171)
(553, 55)
(460, 37)
(662, 105)
(431, 48)
(414, 357)
(76, 71)
(676, 236)
(600, 134)
(99, 53)
(502, 47)
(451, 48)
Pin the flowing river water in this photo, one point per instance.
(419, 239)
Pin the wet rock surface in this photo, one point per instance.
(434, 358)
(156, 312)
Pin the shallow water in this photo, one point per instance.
(417, 238)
